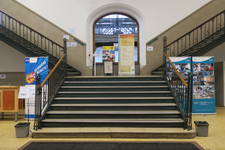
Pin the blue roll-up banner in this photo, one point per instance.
(34, 67)
(203, 81)
(203, 85)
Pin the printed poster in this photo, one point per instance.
(203, 85)
(34, 67)
(126, 57)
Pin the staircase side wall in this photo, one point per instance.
(155, 57)
(11, 65)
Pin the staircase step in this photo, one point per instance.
(114, 82)
(130, 120)
(113, 92)
(128, 87)
(112, 98)
(105, 112)
(115, 105)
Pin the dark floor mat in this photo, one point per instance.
(111, 146)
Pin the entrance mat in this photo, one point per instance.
(40, 145)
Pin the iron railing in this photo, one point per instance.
(27, 33)
(47, 90)
(208, 29)
(181, 90)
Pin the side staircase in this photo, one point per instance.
(198, 41)
(113, 102)
(30, 42)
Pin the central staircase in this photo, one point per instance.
(113, 102)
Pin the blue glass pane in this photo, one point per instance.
(98, 53)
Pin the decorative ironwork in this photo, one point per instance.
(45, 95)
(202, 35)
(8, 23)
(181, 90)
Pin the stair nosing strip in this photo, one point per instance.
(104, 112)
(113, 92)
(114, 82)
(72, 86)
(105, 98)
(117, 104)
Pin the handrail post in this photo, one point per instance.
(65, 49)
(164, 52)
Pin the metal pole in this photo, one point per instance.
(65, 49)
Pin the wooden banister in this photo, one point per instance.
(176, 71)
(53, 70)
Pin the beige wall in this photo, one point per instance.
(218, 53)
(10, 59)
(154, 59)
(46, 28)
(154, 16)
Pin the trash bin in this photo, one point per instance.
(201, 128)
(22, 129)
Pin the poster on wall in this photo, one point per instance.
(126, 55)
(203, 86)
(183, 65)
(34, 67)
(108, 53)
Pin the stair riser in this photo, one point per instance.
(97, 124)
(94, 116)
(113, 101)
(114, 95)
(114, 89)
(113, 108)
(116, 79)
(116, 84)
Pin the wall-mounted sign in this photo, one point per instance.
(2, 76)
(71, 44)
(150, 48)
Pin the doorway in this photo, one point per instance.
(107, 30)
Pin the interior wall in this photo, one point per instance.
(77, 16)
(155, 57)
(10, 59)
(218, 53)
(48, 29)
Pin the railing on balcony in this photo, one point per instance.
(209, 29)
(181, 90)
(11, 24)
(45, 94)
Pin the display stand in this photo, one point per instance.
(108, 67)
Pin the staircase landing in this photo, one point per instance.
(176, 133)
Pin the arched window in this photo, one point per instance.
(107, 30)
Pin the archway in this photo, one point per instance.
(106, 32)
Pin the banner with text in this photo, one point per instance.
(34, 67)
(126, 58)
(203, 85)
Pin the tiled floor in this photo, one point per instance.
(215, 141)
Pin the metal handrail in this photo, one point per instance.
(31, 29)
(53, 70)
(199, 26)
(181, 90)
(44, 96)
(195, 39)
(176, 71)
